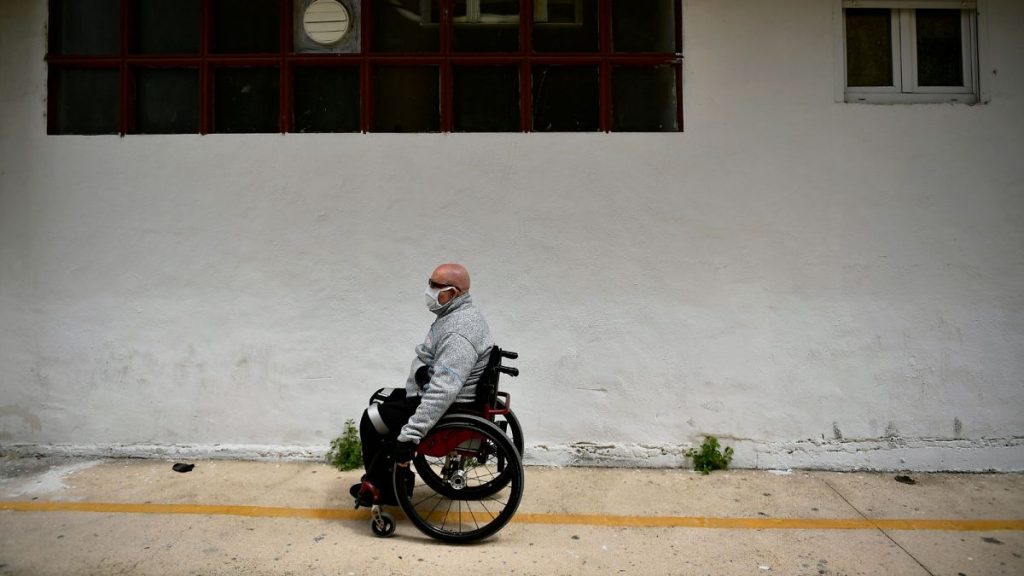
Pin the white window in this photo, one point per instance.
(910, 51)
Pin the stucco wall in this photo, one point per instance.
(819, 284)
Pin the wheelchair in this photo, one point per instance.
(466, 478)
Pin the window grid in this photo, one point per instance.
(285, 60)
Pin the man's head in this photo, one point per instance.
(451, 279)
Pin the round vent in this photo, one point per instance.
(326, 21)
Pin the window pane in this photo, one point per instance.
(246, 26)
(868, 48)
(168, 27)
(167, 101)
(87, 101)
(486, 99)
(87, 27)
(406, 26)
(246, 100)
(940, 59)
(486, 26)
(565, 25)
(406, 99)
(326, 100)
(646, 26)
(644, 99)
(565, 99)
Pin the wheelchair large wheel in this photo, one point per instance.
(428, 467)
(463, 501)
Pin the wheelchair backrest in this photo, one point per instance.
(487, 387)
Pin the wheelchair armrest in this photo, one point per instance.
(505, 407)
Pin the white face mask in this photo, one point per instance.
(431, 295)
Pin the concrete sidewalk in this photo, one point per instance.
(65, 516)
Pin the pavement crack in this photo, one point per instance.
(879, 528)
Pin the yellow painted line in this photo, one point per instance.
(946, 525)
(952, 525)
(199, 509)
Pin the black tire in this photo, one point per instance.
(386, 527)
(463, 501)
(429, 468)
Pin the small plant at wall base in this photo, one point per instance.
(346, 453)
(709, 457)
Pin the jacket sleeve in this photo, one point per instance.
(454, 360)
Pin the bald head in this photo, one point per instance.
(452, 275)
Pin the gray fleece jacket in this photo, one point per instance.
(456, 350)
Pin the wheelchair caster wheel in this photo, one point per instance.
(383, 525)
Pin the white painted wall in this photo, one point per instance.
(819, 284)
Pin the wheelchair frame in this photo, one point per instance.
(471, 458)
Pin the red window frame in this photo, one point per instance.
(206, 62)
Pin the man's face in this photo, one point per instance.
(438, 282)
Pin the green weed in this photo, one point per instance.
(346, 452)
(709, 457)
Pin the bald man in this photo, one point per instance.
(447, 366)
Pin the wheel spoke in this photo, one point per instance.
(444, 517)
(440, 499)
(473, 516)
(489, 513)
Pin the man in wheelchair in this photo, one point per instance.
(447, 367)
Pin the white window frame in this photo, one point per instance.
(905, 88)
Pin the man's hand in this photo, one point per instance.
(404, 451)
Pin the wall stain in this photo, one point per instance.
(713, 406)
(29, 418)
(836, 432)
(958, 427)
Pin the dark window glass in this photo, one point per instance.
(167, 100)
(644, 26)
(486, 99)
(486, 26)
(406, 26)
(326, 99)
(246, 26)
(167, 88)
(868, 47)
(940, 59)
(644, 99)
(565, 25)
(87, 27)
(246, 100)
(88, 101)
(406, 99)
(565, 98)
(168, 27)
